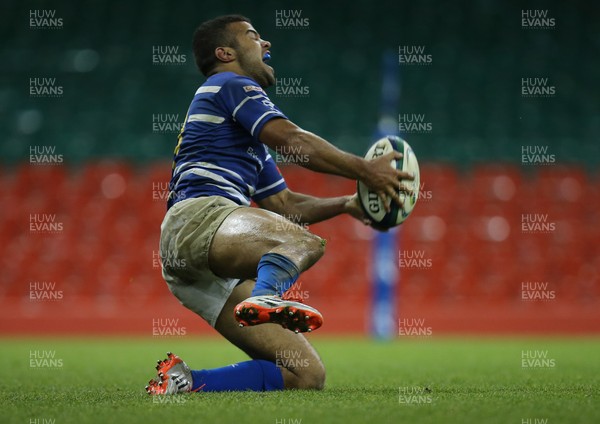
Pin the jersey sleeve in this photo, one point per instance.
(270, 180)
(248, 104)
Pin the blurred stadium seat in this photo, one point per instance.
(478, 253)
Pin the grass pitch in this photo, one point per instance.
(407, 380)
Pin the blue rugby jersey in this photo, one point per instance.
(218, 151)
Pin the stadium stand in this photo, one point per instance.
(475, 254)
(108, 193)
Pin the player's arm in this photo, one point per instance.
(305, 209)
(326, 158)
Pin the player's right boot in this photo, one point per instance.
(294, 316)
(173, 376)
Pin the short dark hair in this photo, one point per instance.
(210, 35)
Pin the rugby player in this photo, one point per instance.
(239, 260)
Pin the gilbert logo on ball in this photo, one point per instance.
(370, 201)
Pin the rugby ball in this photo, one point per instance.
(370, 201)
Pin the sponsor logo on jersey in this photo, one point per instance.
(253, 88)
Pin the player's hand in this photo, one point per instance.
(353, 208)
(385, 180)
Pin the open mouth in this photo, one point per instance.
(266, 56)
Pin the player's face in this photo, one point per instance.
(250, 52)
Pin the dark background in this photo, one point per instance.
(470, 92)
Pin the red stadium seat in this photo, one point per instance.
(468, 226)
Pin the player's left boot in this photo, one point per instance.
(294, 316)
(173, 376)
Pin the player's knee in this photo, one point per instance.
(316, 380)
(314, 244)
(309, 378)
